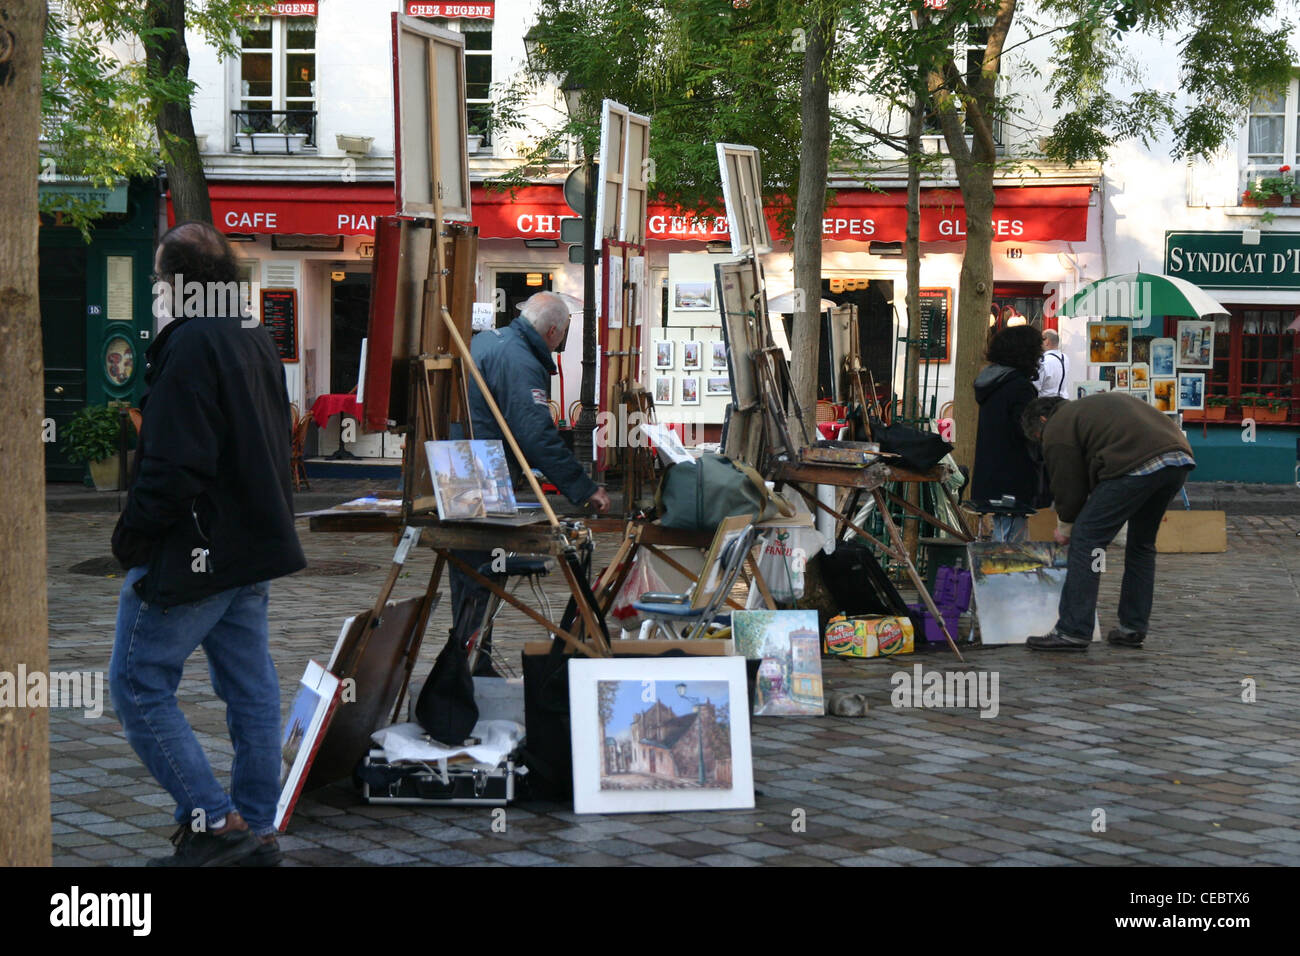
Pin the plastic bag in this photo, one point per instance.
(785, 554)
(642, 580)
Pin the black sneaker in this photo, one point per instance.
(1122, 638)
(1054, 640)
(267, 853)
(223, 847)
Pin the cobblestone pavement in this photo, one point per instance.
(1159, 739)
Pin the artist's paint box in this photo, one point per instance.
(872, 635)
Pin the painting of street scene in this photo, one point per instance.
(789, 678)
(661, 735)
(1017, 588)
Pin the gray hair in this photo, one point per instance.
(546, 311)
(1053, 340)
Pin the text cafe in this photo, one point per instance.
(318, 239)
(1256, 365)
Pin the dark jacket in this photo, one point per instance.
(1003, 463)
(517, 367)
(212, 466)
(1100, 437)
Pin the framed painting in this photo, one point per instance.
(1195, 343)
(692, 360)
(663, 390)
(690, 390)
(788, 645)
(742, 191)
(1191, 391)
(1090, 387)
(664, 354)
(1110, 343)
(663, 734)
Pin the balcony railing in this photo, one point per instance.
(273, 131)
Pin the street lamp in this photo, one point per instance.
(699, 724)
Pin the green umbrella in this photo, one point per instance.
(1140, 296)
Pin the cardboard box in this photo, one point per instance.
(863, 636)
(1181, 531)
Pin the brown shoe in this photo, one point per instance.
(267, 853)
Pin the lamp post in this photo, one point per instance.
(699, 725)
(585, 426)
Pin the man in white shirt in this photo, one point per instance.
(1054, 370)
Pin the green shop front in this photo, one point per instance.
(1249, 429)
(96, 308)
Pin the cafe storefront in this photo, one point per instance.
(1256, 364)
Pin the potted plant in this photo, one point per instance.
(92, 436)
(1216, 408)
(474, 138)
(1271, 190)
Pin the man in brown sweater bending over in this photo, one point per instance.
(1111, 459)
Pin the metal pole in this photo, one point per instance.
(586, 424)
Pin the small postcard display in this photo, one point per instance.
(789, 679)
(654, 735)
(471, 479)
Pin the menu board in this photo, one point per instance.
(934, 324)
(280, 316)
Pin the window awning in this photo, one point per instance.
(1021, 213)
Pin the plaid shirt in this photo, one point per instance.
(1170, 459)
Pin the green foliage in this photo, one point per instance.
(92, 434)
(1230, 50)
(98, 98)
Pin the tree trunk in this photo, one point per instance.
(24, 730)
(810, 205)
(167, 55)
(974, 166)
(912, 354)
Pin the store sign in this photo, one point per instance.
(1220, 260)
(451, 11)
(292, 8)
(535, 212)
(111, 198)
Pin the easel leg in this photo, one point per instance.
(761, 583)
(426, 609)
(901, 555)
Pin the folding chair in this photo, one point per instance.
(687, 615)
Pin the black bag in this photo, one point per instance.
(547, 750)
(857, 582)
(918, 450)
(446, 708)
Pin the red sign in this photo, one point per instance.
(1021, 214)
(292, 8)
(451, 11)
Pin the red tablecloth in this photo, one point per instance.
(830, 430)
(327, 406)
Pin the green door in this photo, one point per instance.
(63, 330)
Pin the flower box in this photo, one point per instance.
(1262, 413)
(1210, 413)
(1248, 200)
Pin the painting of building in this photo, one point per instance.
(789, 680)
(660, 736)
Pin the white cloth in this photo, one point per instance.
(409, 742)
(1053, 373)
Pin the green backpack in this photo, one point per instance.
(697, 495)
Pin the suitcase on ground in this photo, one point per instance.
(407, 782)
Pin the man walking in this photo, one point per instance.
(1111, 459)
(207, 524)
(1054, 369)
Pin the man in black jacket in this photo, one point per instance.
(207, 524)
(517, 366)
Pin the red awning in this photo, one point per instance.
(1021, 213)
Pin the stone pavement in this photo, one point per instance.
(1159, 739)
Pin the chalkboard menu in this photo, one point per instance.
(280, 316)
(934, 324)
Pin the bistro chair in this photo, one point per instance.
(297, 438)
(687, 615)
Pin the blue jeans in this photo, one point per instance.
(1140, 501)
(149, 655)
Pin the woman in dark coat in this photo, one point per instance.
(1003, 464)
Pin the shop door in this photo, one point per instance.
(63, 333)
(349, 317)
(876, 331)
(514, 289)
